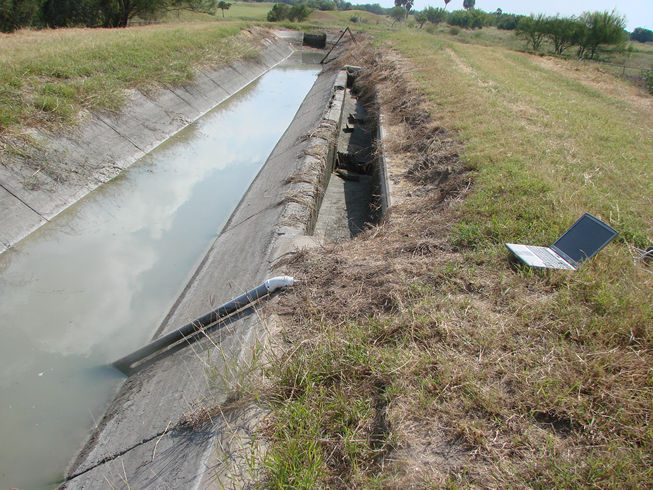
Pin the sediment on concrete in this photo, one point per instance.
(146, 438)
(59, 169)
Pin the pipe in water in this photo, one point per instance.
(126, 364)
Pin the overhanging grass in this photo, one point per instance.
(47, 77)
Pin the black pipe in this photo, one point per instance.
(126, 364)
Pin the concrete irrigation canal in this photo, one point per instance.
(193, 224)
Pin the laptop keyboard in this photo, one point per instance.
(549, 259)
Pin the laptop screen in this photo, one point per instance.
(585, 238)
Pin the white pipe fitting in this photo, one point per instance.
(278, 282)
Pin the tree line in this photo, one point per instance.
(587, 32)
(15, 14)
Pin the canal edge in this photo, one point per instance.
(110, 143)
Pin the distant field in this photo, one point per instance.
(573, 144)
(247, 11)
(363, 20)
(636, 55)
(255, 11)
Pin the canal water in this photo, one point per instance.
(95, 283)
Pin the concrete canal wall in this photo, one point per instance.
(144, 438)
(39, 182)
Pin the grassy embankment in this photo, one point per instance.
(48, 77)
(418, 353)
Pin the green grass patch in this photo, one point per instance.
(47, 77)
(544, 144)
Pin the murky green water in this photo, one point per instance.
(95, 283)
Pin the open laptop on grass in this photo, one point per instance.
(582, 241)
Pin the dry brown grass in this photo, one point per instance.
(410, 361)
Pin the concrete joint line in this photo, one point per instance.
(24, 204)
(112, 457)
(172, 91)
(217, 85)
(230, 227)
(119, 133)
(234, 69)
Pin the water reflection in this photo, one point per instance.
(95, 283)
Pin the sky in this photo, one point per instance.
(638, 13)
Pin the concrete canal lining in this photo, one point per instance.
(39, 182)
(143, 439)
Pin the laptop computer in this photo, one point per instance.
(582, 241)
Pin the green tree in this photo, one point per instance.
(642, 35)
(204, 6)
(458, 18)
(421, 18)
(405, 4)
(278, 12)
(562, 32)
(15, 14)
(322, 5)
(469, 4)
(533, 30)
(601, 28)
(118, 13)
(299, 12)
(398, 14)
(435, 16)
(507, 22)
(468, 19)
(68, 13)
(222, 5)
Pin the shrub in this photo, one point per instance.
(469, 19)
(562, 32)
(421, 18)
(15, 14)
(454, 31)
(642, 35)
(458, 18)
(649, 80)
(533, 30)
(435, 16)
(322, 4)
(279, 12)
(507, 22)
(299, 12)
(282, 11)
